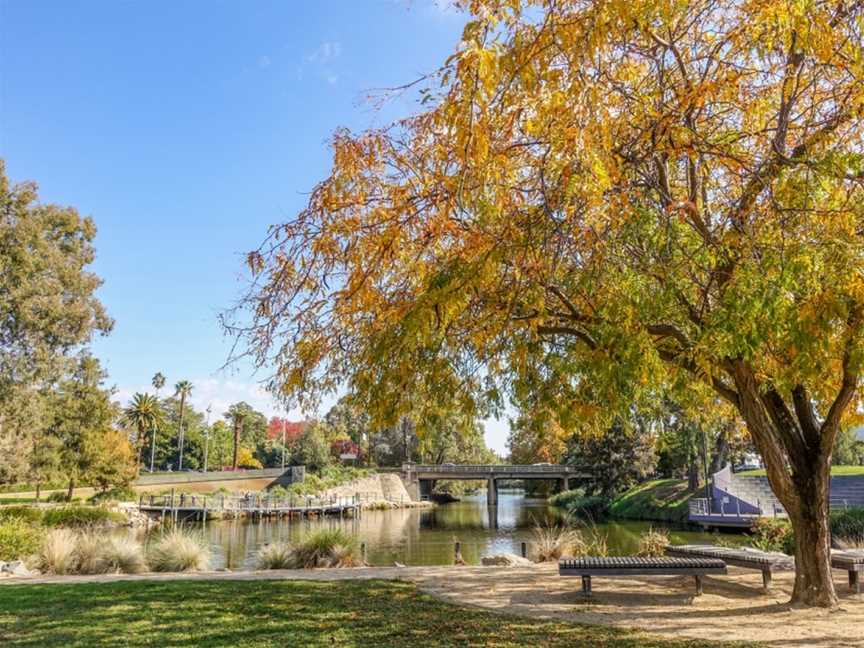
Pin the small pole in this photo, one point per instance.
(363, 553)
(524, 548)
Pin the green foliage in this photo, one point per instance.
(48, 308)
(30, 514)
(19, 538)
(81, 516)
(329, 477)
(770, 534)
(663, 500)
(59, 496)
(115, 494)
(591, 507)
(276, 555)
(847, 525)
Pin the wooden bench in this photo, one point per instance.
(627, 566)
(852, 561)
(764, 561)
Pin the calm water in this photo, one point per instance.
(425, 536)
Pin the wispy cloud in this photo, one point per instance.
(325, 53)
(264, 61)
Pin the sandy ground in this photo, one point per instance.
(733, 607)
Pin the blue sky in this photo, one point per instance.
(184, 129)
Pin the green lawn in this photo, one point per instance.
(255, 614)
(835, 470)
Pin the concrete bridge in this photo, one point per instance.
(420, 479)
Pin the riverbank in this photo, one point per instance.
(365, 607)
(267, 613)
(659, 500)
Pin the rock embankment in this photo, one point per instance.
(377, 491)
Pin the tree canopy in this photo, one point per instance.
(600, 201)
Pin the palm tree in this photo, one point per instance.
(158, 383)
(237, 414)
(143, 413)
(182, 389)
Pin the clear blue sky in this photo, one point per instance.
(185, 128)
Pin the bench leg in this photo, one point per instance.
(698, 580)
(766, 579)
(855, 581)
(586, 585)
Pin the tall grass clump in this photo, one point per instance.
(847, 528)
(653, 543)
(18, 539)
(553, 541)
(57, 554)
(124, 554)
(278, 555)
(326, 548)
(179, 550)
(30, 514)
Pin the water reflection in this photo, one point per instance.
(425, 537)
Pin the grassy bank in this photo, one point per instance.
(275, 613)
(663, 500)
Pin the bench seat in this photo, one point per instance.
(852, 560)
(764, 561)
(626, 566)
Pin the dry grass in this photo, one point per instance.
(125, 554)
(850, 542)
(179, 550)
(57, 555)
(89, 553)
(553, 541)
(653, 543)
(326, 549)
(278, 555)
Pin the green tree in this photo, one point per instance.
(182, 389)
(145, 415)
(48, 309)
(81, 415)
(312, 449)
(237, 414)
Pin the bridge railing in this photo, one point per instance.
(486, 469)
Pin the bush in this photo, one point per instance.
(116, 494)
(327, 548)
(279, 555)
(30, 514)
(179, 550)
(124, 554)
(847, 527)
(554, 541)
(57, 555)
(772, 534)
(81, 516)
(591, 507)
(59, 496)
(18, 539)
(653, 543)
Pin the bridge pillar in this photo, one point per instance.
(565, 484)
(491, 492)
(425, 489)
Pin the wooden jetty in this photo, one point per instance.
(254, 505)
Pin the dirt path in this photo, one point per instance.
(732, 608)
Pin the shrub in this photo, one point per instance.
(124, 554)
(653, 543)
(772, 534)
(592, 507)
(847, 527)
(116, 494)
(57, 555)
(81, 516)
(29, 514)
(179, 550)
(58, 496)
(89, 554)
(278, 555)
(554, 541)
(326, 548)
(18, 539)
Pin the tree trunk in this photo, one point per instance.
(71, 489)
(182, 411)
(38, 491)
(721, 452)
(808, 512)
(236, 444)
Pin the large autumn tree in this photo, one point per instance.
(600, 200)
